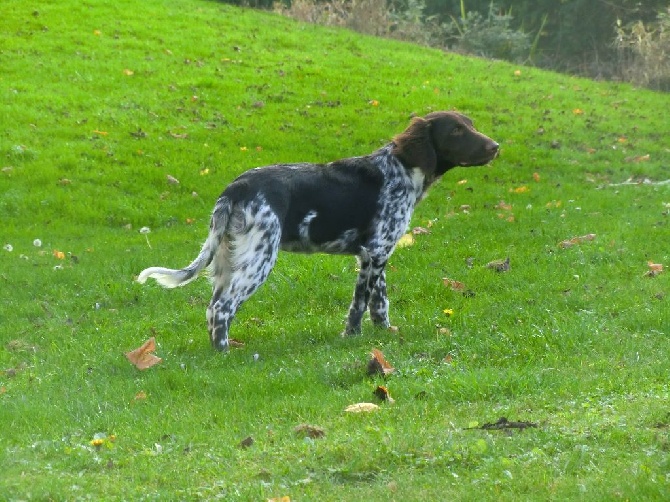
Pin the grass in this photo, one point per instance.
(100, 103)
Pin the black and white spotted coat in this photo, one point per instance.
(360, 206)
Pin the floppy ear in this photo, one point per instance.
(414, 147)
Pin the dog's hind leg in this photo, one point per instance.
(241, 266)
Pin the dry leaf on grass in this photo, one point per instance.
(246, 442)
(310, 431)
(379, 364)
(654, 269)
(285, 498)
(499, 265)
(383, 394)
(420, 231)
(361, 408)
(142, 357)
(576, 240)
(453, 285)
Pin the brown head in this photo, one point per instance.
(440, 141)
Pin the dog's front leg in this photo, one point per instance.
(379, 303)
(372, 270)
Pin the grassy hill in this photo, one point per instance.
(128, 115)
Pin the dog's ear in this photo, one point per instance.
(414, 147)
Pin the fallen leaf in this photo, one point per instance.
(373, 102)
(361, 408)
(142, 357)
(420, 231)
(232, 342)
(246, 442)
(172, 180)
(462, 182)
(178, 136)
(536, 177)
(285, 498)
(379, 364)
(141, 395)
(654, 269)
(501, 424)
(504, 206)
(638, 158)
(521, 189)
(406, 240)
(453, 285)
(499, 265)
(59, 254)
(576, 240)
(383, 394)
(578, 111)
(128, 72)
(310, 431)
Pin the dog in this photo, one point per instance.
(358, 206)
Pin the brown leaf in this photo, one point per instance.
(499, 265)
(453, 285)
(232, 342)
(142, 357)
(246, 442)
(654, 269)
(311, 431)
(504, 206)
(576, 240)
(383, 394)
(420, 231)
(379, 364)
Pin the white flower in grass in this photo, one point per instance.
(37, 243)
(8, 247)
(145, 231)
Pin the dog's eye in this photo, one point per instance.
(457, 130)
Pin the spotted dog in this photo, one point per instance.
(359, 206)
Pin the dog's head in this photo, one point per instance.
(441, 141)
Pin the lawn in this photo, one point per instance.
(123, 121)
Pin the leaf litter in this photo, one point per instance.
(503, 424)
(378, 364)
(143, 357)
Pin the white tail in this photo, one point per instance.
(171, 278)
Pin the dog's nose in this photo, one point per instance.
(493, 146)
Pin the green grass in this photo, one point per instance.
(575, 340)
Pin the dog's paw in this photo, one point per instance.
(349, 331)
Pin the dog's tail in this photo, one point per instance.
(171, 278)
